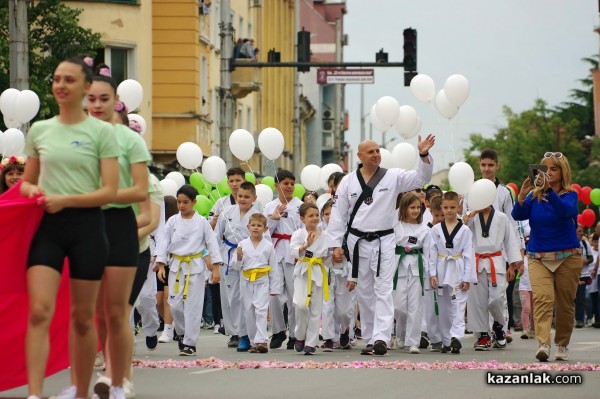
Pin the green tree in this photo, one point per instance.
(54, 35)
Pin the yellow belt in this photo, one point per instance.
(253, 274)
(311, 262)
(446, 257)
(184, 259)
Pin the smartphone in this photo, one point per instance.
(534, 169)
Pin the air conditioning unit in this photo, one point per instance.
(327, 140)
(327, 114)
(255, 3)
(327, 125)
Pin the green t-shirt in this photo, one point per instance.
(156, 197)
(70, 154)
(133, 150)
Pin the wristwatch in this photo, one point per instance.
(424, 155)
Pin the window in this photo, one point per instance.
(204, 86)
(120, 60)
(249, 126)
(249, 30)
(240, 28)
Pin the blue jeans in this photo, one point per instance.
(207, 313)
(580, 303)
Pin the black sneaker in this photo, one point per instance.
(309, 350)
(233, 342)
(424, 343)
(328, 345)
(357, 333)
(290, 343)
(277, 340)
(345, 340)
(379, 348)
(445, 349)
(161, 324)
(180, 342)
(455, 345)
(367, 351)
(151, 342)
(222, 330)
(188, 351)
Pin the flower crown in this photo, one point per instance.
(120, 106)
(11, 160)
(135, 125)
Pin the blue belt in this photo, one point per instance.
(231, 246)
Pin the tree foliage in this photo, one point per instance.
(54, 35)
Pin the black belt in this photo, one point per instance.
(370, 236)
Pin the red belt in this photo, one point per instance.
(492, 266)
(280, 237)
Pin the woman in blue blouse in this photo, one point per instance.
(553, 250)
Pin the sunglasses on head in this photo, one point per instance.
(418, 190)
(553, 155)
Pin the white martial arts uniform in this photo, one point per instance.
(484, 298)
(281, 232)
(187, 237)
(307, 303)
(452, 266)
(230, 230)
(374, 288)
(412, 280)
(256, 293)
(339, 310)
(431, 309)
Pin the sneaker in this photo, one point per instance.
(102, 386)
(508, 337)
(424, 344)
(277, 340)
(328, 345)
(357, 333)
(188, 350)
(379, 348)
(336, 345)
(368, 350)
(484, 343)
(208, 326)
(128, 388)
(299, 345)
(445, 349)
(353, 342)
(291, 342)
(216, 329)
(233, 342)
(180, 344)
(166, 335)
(262, 348)
(67, 393)
(345, 340)
(499, 344)
(543, 353)
(222, 330)
(117, 393)
(596, 324)
(525, 334)
(151, 342)
(579, 324)
(400, 343)
(518, 327)
(436, 347)
(254, 349)
(414, 350)
(498, 331)
(455, 345)
(309, 350)
(99, 362)
(244, 344)
(562, 353)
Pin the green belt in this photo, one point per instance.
(411, 251)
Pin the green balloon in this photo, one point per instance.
(299, 191)
(269, 181)
(223, 187)
(595, 196)
(199, 182)
(203, 205)
(250, 177)
(214, 195)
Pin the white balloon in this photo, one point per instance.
(140, 120)
(1, 145)
(377, 124)
(131, 93)
(407, 120)
(271, 143)
(457, 90)
(11, 123)
(387, 109)
(264, 194)
(327, 171)
(214, 169)
(323, 198)
(189, 155)
(387, 160)
(27, 105)
(423, 88)
(7, 102)
(404, 156)
(482, 194)
(444, 106)
(177, 178)
(13, 142)
(461, 177)
(310, 177)
(241, 144)
(415, 130)
(169, 187)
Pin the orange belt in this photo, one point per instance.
(492, 266)
(280, 237)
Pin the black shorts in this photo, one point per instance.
(122, 234)
(140, 275)
(75, 233)
(160, 286)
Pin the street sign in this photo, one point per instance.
(346, 76)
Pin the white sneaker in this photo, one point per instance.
(562, 353)
(117, 393)
(66, 393)
(216, 329)
(414, 349)
(400, 343)
(102, 386)
(167, 334)
(99, 362)
(543, 353)
(128, 388)
(33, 397)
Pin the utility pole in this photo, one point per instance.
(362, 112)
(226, 98)
(296, 154)
(18, 44)
(337, 111)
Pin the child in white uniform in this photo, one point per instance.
(187, 238)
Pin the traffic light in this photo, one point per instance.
(303, 49)
(381, 57)
(410, 50)
(273, 56)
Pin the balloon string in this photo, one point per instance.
(250, 167)
(227, 221)
(286, 201)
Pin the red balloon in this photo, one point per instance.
(577, 188)
(580, 220)
(588, 217)
(584, 195)
(514, 187)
